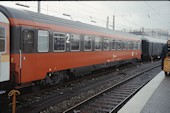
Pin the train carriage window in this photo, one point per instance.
(119, 45)
(106, 44)
(113, 45)
(139, 45)
(43, 41)
(135, 45)
(75, 42)
(127, 45)
(2, 39)
(124, 45)
(130, 45)
(98, 43)
(87, 43)
(59, 42)
(28, 41)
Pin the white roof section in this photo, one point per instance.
(155, 40)
(3, 18)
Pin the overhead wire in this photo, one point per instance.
(157, 13)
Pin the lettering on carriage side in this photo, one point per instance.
(132, 53)
(68, 38)
(114, 56)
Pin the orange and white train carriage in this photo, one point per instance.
(42, 49)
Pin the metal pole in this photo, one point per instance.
(47, 9)
(107, 23)
(113, 22)
(13, 93)
(39, 7)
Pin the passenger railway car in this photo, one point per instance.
(41, 49)
(151, 47)
(4, 49)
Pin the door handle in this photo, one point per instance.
(20, 59)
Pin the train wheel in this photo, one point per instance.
(35, 88)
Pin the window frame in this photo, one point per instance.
(112, 43)
(48, 41)
(104, 42)
(139, 45)
(136, 45)
(120, 44)
(5, 41)
(91, 43)
(60, 37)
(33, 39)
(71, 43)
(99, 43)
(133, 43)
(129, 43)
(124, 46)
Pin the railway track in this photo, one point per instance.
(48, 98)
(113, 98)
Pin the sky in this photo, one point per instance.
(129, 15)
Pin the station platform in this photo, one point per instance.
(154, 97)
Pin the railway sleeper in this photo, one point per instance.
(95, 110)
(114, 97)
(109, 99)
(103, 106)
(118, 95)
(123, 90)
(104, 103)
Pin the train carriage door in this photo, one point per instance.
(4, 48)
(27, 55)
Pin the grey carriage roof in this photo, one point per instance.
(155, 40)
(37, 17)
